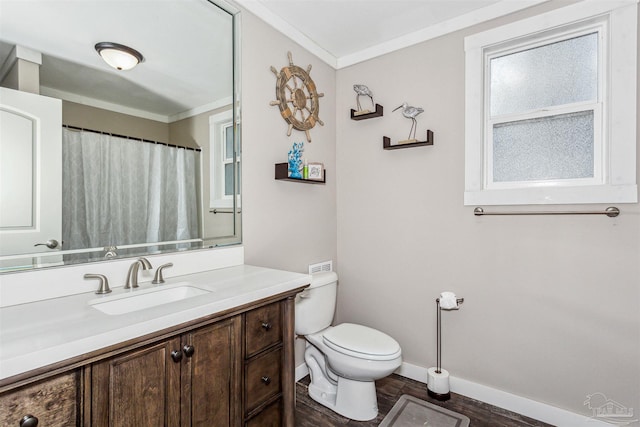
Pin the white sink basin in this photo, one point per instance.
(139, 300)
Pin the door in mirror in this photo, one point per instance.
(30, 172)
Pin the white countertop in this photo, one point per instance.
(40, 333)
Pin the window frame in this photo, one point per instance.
(218, 123)
(614, 109)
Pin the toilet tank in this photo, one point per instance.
(316, 306)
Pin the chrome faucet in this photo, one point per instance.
(132, 275)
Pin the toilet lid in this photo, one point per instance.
(361, 340)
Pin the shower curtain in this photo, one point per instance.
(118, 191)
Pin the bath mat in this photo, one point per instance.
(410, 411)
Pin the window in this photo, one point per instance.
(551, 108)
(223, 162)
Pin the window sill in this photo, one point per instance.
(554, 195)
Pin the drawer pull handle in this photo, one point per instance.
(266, 325)
(266, 380)
(188, 350)
(29, 421)
(176, 355)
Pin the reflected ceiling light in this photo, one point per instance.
(119, 56)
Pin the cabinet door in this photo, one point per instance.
(211, 375)
(138, 388)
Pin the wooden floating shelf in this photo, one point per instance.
(371, 115)
(386, 142)
(282, 174)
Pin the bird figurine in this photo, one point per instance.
(363, 90)
(410, 113)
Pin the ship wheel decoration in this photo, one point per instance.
(297, 98)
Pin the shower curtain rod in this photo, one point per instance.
(76, 128)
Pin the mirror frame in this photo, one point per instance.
(38, 261)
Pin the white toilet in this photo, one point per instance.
(343, 360)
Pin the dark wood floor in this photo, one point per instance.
(312, 414)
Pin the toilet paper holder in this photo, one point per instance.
(458, 301)
(439, 333)
(440, 391)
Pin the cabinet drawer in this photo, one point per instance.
(54, 402)
(262, 379)
(271, 416)
(263, 328)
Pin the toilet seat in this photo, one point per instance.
(361, 342)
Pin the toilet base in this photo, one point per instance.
(355, 400)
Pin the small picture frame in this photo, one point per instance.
(316, 171)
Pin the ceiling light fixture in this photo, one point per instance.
(119, 56)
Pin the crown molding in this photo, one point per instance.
(496, 10)
(288, 30)
(487, 13)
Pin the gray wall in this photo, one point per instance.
(552, 303)
(285, 225)
(85, 116)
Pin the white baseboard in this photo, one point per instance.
(521, 405)
(301, 371)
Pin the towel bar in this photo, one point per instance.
(223, 210)
(611, 212)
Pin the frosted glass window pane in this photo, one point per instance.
(555, 74)
(556, 147)
(228, 179)
(228, 141)
(239, 186)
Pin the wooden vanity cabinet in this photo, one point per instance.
(228, 369)
(189, 380)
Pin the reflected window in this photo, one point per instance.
(223, 161)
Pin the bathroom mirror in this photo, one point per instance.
(119, 163)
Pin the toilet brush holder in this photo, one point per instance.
(438, 378)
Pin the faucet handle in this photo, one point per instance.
(157, 278)
(104, 283)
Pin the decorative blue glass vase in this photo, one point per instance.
(295, 160)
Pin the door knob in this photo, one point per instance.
(51, 244)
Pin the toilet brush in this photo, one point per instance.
(438, 378)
